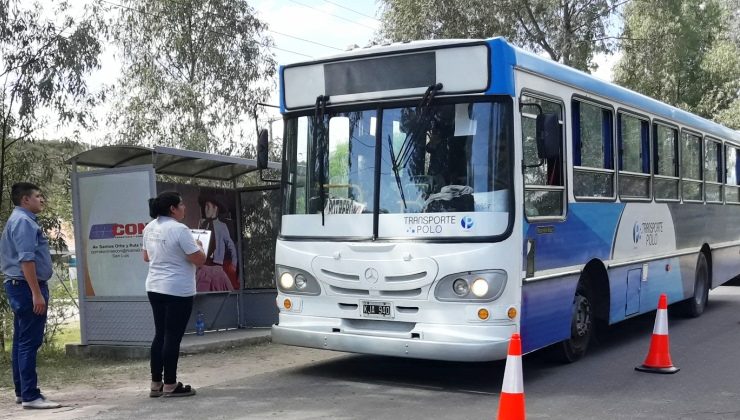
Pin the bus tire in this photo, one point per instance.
(581, 326)
(695, 306)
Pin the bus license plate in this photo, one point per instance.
(377, 309)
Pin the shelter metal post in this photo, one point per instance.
(79, 253)
(240, 257)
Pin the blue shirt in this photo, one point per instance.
(23, 240)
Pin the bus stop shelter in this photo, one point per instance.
(110, 189)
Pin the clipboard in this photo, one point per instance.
(204, 236)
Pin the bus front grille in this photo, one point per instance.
(349, 292)
(401, 293)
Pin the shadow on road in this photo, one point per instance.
(486, 377)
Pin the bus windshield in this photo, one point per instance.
(444, 171)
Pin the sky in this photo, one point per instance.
(301, 29)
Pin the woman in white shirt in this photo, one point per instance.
(173, 256)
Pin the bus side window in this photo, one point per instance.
(633, 157)
(732, 179)
(544, 191)
(713, 169)
(593, 162)
(692, 182)
(665, 146)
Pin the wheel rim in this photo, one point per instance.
(701, 286)
(582, 321)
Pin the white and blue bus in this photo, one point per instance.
(439, 196)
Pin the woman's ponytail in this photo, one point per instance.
(160, 206)
(153, 208)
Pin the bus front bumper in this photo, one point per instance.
(462, 349)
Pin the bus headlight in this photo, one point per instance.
(295, 281)
(475, 286)
(287, 281)
(480, 287)
(300, 282)
(460, 287)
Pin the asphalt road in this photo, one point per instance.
(604, 385)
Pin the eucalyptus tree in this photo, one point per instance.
(193, 73)
(568, 31)
(683, 53)
(46, 54)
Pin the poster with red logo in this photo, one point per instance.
(113, 214)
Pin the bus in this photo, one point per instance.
(439, 196)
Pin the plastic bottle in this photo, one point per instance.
(200, 324)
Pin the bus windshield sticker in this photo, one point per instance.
(341, 205)
(464, 124)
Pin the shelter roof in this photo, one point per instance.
(170, 161)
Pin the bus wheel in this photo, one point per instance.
(694, 306)
(581, 327)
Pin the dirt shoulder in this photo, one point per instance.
(102, 385)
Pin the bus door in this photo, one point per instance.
(544, 188)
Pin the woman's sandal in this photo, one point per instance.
(180, 391)
(156, 393)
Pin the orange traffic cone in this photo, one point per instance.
(658, 359)
(511, 401)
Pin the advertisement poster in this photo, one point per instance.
(113, 212)
(212, 209)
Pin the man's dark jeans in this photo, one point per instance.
(28, 334)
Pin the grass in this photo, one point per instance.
(70, 333)
(55, 367)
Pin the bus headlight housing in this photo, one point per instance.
(460, 287)
(300, 281)
(295, 281)
(472, 286)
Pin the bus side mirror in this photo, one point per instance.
(262, 146)
(549, 136)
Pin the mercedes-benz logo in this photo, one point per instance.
(371, 275)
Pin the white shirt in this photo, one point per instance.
(168, 242)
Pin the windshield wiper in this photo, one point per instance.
(420, 124)
(319, 136)
(395, 171)
(423, 116)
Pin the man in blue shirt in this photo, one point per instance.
(26, 264)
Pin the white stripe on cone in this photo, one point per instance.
(513, 380)
(661, 322)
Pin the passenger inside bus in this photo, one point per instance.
(448, 162)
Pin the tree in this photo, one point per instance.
(730, 116)
(193, 73)
(43, 65)
(733, 7)
(682, 53)
(570, 31)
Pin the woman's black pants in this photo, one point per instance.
(171, 315)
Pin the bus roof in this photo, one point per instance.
(519, 58)
(576, 78)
